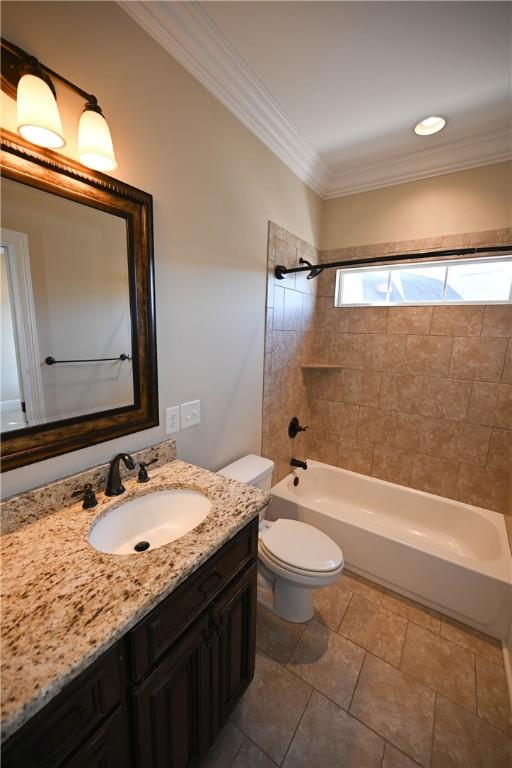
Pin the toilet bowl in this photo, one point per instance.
(294, 558)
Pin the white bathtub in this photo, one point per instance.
(449, 556)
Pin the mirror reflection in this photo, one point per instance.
(65, 309)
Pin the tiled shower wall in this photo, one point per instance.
(422, 395)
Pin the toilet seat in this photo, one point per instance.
(300, 549)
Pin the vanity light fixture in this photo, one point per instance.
(429, 125)
(38, 120)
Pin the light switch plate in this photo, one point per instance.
(190, 414)
(172, 420)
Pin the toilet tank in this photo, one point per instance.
(251, 469)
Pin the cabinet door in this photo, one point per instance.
(234, 618)
(172, 706)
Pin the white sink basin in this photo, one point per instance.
(149, 521)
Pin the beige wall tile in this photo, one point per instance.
(408, 320)
(469, 442)
(292, 317)
(278, 308)
(324, 384)
(308, 312)
(485, 237)
(385, 353)
(322, 446)
(500, 450)
(478, 358)
(330, 318)
(434, 475)
(428, 354)
(348, 350)
(401, 392)
(375, 425)
(355, 455)
(285, 254)
(423, 434)
(457, 321)
(507, 368)
(320, 347)
(483, 487)
(360, 387)
(448, 398)
(368, 320)
(392, 464)
(497, 321)
(491, 404)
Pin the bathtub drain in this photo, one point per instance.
(141, 546)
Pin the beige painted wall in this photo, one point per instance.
(469, 201)
(215, 186)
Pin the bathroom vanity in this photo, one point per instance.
(159, 696)
(133, 660)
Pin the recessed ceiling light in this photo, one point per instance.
(429, 125)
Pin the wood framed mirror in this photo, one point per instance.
(79, 362)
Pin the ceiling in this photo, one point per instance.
(334, 88)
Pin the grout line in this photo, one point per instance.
(357, 681)
(297, 727)
(433, 729)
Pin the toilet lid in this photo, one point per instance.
(301, 546)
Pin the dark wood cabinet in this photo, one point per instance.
(234, 619)
(158, 698)
(171, 705)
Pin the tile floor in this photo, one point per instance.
(372, 681)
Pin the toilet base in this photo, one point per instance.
(288, 601)
(293, 603)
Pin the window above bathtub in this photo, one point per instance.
(463, 281)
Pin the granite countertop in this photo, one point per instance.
(64, 603)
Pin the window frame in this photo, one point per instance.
(417, 264)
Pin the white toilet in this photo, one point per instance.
(295, 557)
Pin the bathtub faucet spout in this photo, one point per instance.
(298, 463)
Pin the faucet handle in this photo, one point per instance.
(143, 476)
(89, 497)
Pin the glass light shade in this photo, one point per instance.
(429, 125)
(38, 118)
(95, 147)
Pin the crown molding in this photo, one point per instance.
(185, 30)
(482, 149)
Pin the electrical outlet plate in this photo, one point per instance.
(172, 420)
(190, 414)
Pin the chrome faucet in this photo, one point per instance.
(114, 484)
(299, 463)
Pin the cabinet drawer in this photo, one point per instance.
(157, 632)
(108, 747)
(50, 737)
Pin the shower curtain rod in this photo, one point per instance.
(281, 271)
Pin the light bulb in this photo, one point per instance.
(38, 118)
(428, 125)
(95, 147)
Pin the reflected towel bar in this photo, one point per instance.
(53, 361)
